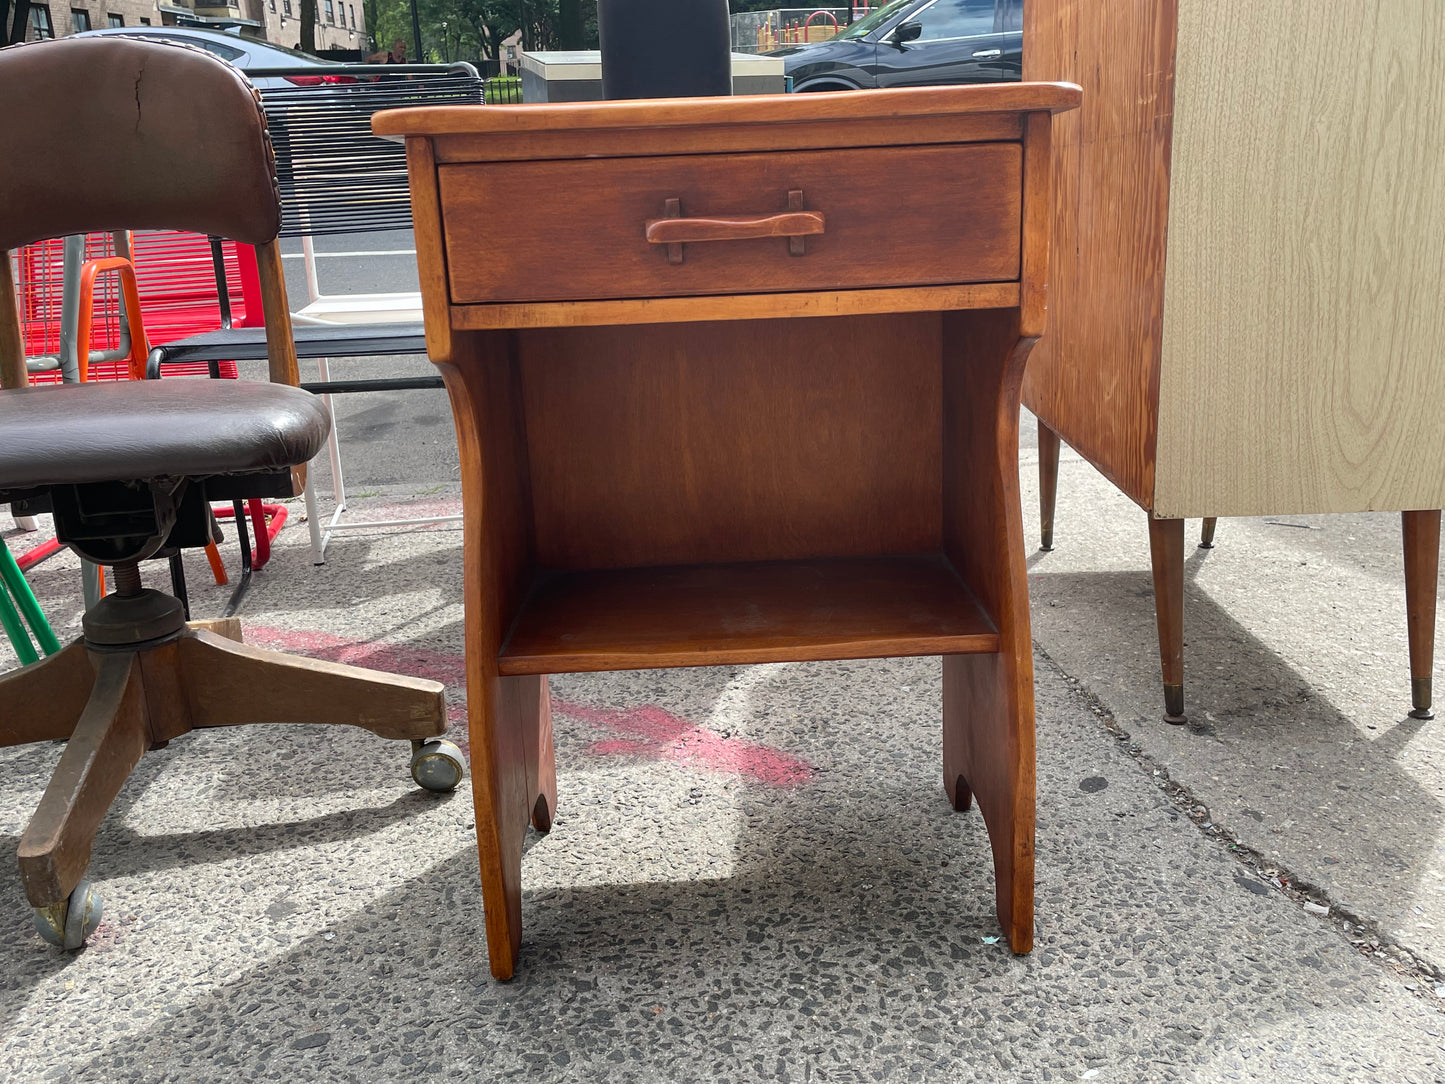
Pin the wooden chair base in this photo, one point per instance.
(113, 704)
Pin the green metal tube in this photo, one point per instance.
(19, 638)
(25, 600)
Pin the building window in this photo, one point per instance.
(145, 22)
(273, 5)
(330, 13)
(353, 15)
(40, 25)
(286, 7)
(79, 20)
(114, 20)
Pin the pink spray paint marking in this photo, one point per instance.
(448, 668)
(655, 732)
(647, 731)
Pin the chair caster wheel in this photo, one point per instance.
(68, 924)
(437, 765)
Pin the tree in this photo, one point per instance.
(475, 29)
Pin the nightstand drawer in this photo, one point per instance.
(730, 224)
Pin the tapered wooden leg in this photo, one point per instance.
(1166, 549)
(1421, 533)
(228, 684)
(107, 742)
(1048, 484)
(984, 758)
(1206, 533)
(43, 701)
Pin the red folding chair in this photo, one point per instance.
(184, 287)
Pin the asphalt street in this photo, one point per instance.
(388, 439)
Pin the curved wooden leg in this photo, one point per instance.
(43, 701)
(1206, 533)
(1048, 484)
(984, 756)
(988, 699)
(108, 741)
(1166, 549)
(224, 682)
(1421, 534)
(513, 784)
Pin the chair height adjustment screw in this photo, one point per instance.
(127, 578)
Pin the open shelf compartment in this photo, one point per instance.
(755, 612)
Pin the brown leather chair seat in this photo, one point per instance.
(72, 434)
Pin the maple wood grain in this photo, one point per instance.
(736, 614)
(585, 235)
(42, 701)
(13, 373)
(661, 115)
(663, 465)
(430, 250)
(738, 441)
(281, 360)
(988, 699)
(109, 739)
(721, 138)
(660, 310)
(667, 231)
(508, 719)
(1094, 378)
(217, 673)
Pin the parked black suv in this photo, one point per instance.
(910, 43)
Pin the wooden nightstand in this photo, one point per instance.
(664, 464)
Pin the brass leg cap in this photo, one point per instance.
(1174, 705)
(1420, 697)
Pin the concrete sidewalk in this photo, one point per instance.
(754, 874)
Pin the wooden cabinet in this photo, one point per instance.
(736, 381)
(1245, 311)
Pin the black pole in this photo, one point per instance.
(664, 48)
(416, 35)
(19, 25)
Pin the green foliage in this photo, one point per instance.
(474, 29)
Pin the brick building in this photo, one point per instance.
(340, 24)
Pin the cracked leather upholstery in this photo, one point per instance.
(111, 133)
(70, 434)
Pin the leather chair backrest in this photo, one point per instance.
(109, 133)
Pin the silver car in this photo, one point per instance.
(245, 53)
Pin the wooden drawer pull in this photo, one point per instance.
(794, 223)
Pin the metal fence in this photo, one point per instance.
(503, 90)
